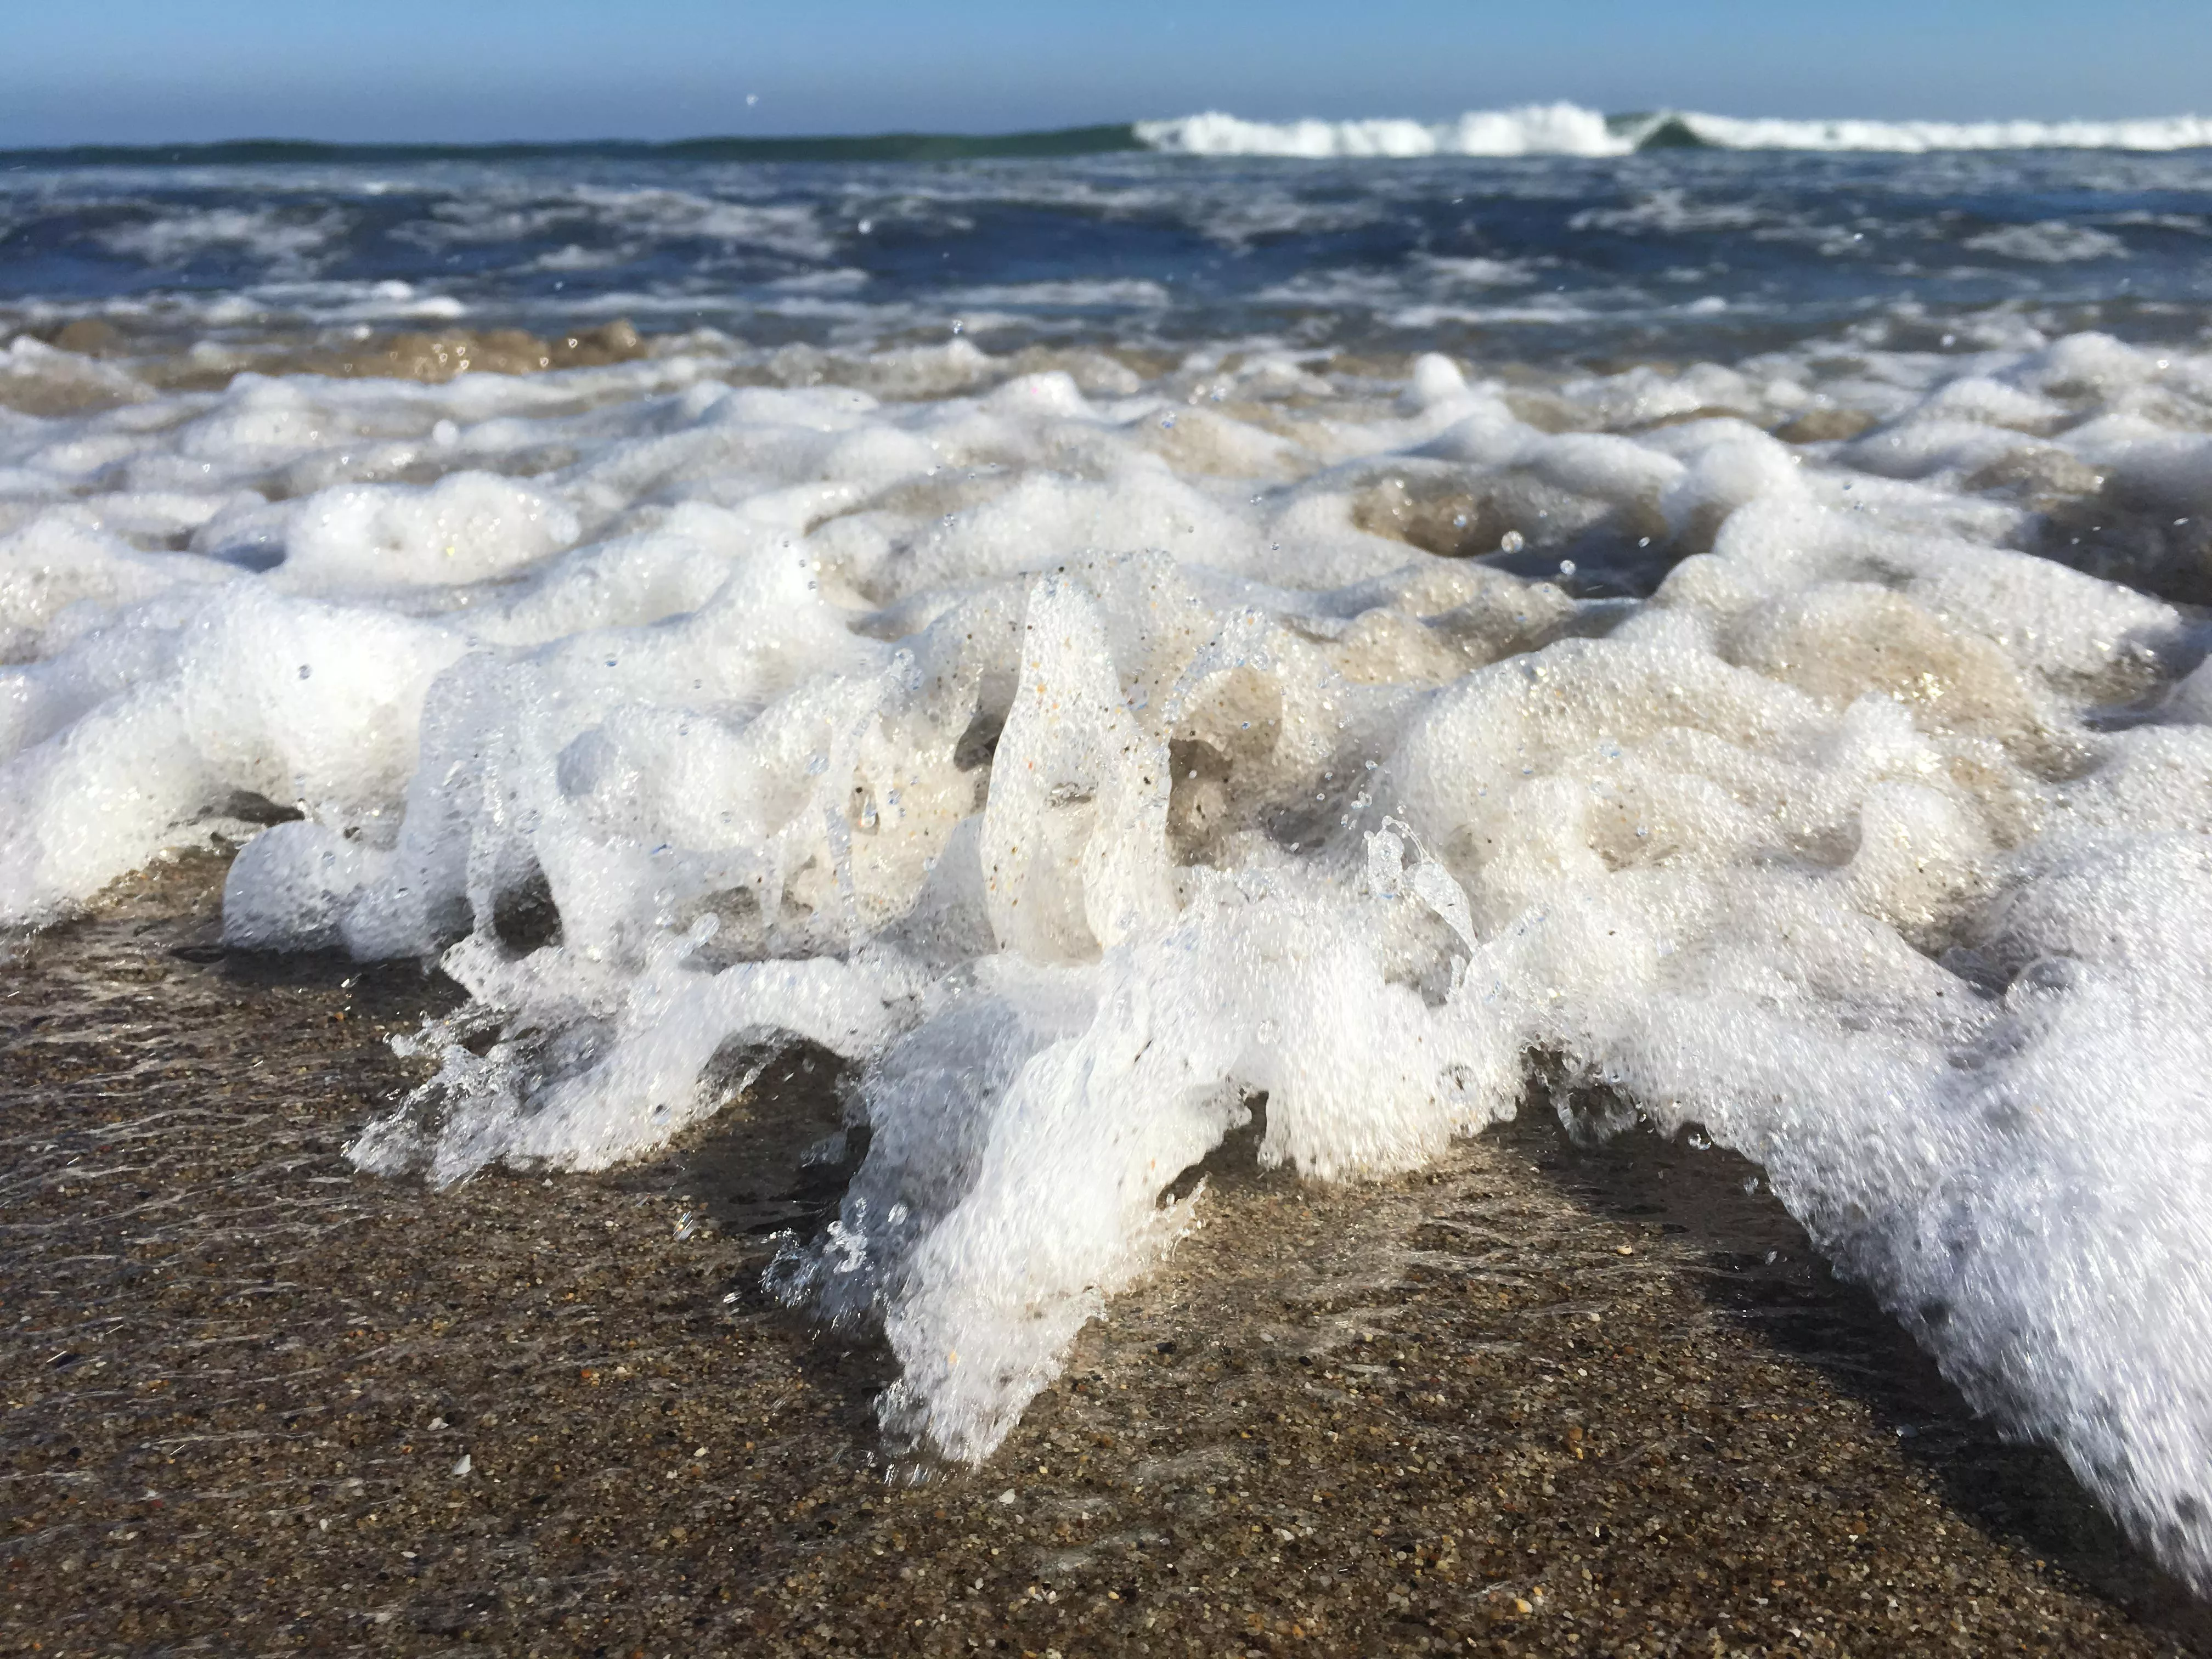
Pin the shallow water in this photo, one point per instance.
(1681, 254)
(1162, 715)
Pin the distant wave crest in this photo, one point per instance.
(1557, 128)
(1533, 129)
(1564, 129)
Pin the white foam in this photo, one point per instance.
(1102, 291)
(1533, 129)
(2049, 243)
(1083, 768)
(282, 240)
(1564, 129)
(2149, 133)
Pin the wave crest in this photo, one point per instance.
(1564, 129)
(1532, 130)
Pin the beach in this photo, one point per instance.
(1278, 886)
(1539, 1399)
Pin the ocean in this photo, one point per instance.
(1202, 239)
(1145, 635)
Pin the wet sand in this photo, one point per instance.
(1541, 1398)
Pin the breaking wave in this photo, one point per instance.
(1564, 129)
(1554, 129)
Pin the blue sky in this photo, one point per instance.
(150, 70)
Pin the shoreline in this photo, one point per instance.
(1361, 1419)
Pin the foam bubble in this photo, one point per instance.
(1087, 766)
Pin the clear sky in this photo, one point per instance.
(152, 70)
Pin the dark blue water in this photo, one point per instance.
(1681, 253)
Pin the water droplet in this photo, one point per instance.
(1511, 542)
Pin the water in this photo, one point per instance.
(1681, 254)
(1131, 647)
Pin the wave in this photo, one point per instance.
(1533, 129)
(2150, 133)
(1564, 129)
(1556, 129)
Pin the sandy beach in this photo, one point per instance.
(1538, 1400)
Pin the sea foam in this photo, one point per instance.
(1089, 770)
(1563, 129)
